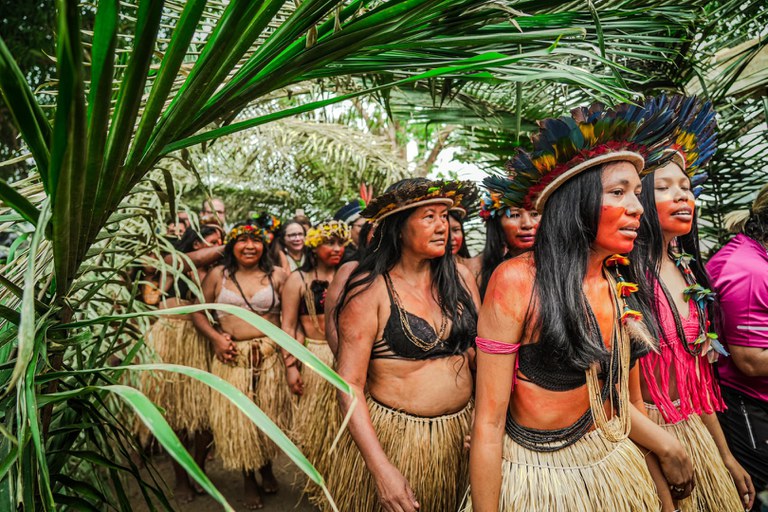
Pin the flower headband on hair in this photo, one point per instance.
(567, 146)
(694, 140)
(468, 204)
(492, 205)
(413, 193)
(250, 230)
(261, 225)
(326, 231)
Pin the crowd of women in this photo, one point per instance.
(587, 360)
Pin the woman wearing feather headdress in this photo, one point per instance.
(456, 217)
(317, 417)
(678, 382)
(406, 321)
(509, 232)
(560, 328)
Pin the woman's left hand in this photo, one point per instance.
(743, 482)
(295, 383)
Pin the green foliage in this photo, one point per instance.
(138, 83)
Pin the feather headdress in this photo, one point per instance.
(412, 193)
(325, 231)
(567, 146)
(469, 203)
(693, 142)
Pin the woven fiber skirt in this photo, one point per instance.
(715, 490)
(317, 420)
(428, 452)
(592, 475)
(259, 372)
(186, 401)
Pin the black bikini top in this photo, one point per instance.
(318, 290)
(395, 343)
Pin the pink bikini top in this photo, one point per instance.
(263, 302)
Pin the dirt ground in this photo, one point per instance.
(230, 483)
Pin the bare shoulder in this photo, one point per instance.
(365, 295)
(279, 274)
(344, 271)
(515, 275)
(474, 265)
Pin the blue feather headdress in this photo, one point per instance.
(693, 142)
(569, 145)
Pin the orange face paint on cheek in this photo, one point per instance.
(676, 217)
(610, 233)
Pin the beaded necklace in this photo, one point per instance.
(426, 346)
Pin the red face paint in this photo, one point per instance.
(330, 253)
(616, 230)
(676, 217)
(457, 236)
(520, 229)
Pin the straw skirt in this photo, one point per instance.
(428, 452)
(593, 475)
(715, 490)
(317, 420)
(259, 372)
(186, 401)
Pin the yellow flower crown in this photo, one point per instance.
(325, 231)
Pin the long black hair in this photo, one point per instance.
(494, 251)
(266, 264)
(385, 251)
(187, 241)
(463, 251)
(648, 254)
(565, 324)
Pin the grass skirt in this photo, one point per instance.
(259, 372)
(186, 401)
(428, 452)
(592, 475)
(715, 490)
(318, 418)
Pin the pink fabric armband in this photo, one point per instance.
(496, 347)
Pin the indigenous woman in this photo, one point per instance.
(678, 382)
(175, 341)
(245, 357)
(406, 321)
(290, 249)
(456, 217)
(316, 423)
(556, 328)
(509, 232)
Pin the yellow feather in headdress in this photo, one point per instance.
(588, 132)
(545, 162)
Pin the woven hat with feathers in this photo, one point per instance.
(413, 193)
(469, 205)
(567, 146)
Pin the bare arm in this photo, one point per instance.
(331, 301)
(290, 300)
(222, 343)
(500, 320)
(357, 334)
(740, 477)
(751, 361)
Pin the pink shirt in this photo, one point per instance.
(739, 275)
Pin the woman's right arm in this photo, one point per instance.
(500, 320)
(222, 344)
(356, 337)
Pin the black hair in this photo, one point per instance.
(463, 251)
(187, 241)
(649, 252)
(385, 251)
(494, 251)
(756, 226)
(228, 258)
(565, 324)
